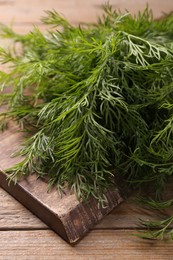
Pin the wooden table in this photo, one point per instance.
(22, 235)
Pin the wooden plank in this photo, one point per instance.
(107, 244)
(14, 216)
(67, 216)
(9, 143)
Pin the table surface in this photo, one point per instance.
(24, 236)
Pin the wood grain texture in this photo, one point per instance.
(102, 245)
(67, 216)
(14, 216)
(9, 143)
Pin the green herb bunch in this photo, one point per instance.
(97, 99)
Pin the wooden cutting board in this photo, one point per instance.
(67, 216)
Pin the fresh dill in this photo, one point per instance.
(96, 98)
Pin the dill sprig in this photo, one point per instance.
(96, 98)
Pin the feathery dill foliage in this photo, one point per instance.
(97, 98)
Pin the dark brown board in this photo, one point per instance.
(67, 216)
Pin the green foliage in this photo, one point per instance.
(97, 99)
(158, 229)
